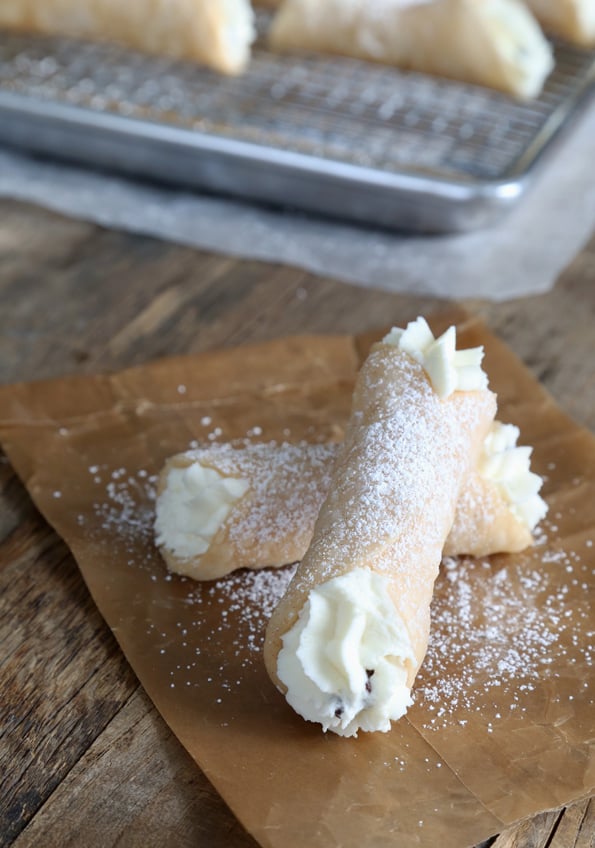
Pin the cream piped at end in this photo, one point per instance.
(449, 369)
(504, 462)
(193, 505)
(345, 661)
(239, 33)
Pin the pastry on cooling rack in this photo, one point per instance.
(217, 33)
(573, 20)
(498, 44)
(346, 641)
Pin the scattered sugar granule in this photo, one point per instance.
(496, 633)
(498, 626)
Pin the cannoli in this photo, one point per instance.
(270, 496)
(217, 33)
(346, 641)
(499, 505)
(495, 43)
(219, 509)
(573, 20)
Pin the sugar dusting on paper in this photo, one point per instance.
(503, 627)
(498, 626)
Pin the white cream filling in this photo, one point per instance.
(344, 660)
(586, 16)
(521, 42)
(240, 31)
(449, 369)
(509, 466)
(194, 504)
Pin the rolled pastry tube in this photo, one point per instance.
(219, 509)
(499, 505)
(346, 641)
(573, 20)
(217, 33)
(279, 490)
(494, 43)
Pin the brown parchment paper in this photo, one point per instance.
(503, 719)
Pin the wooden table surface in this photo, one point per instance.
(85, 759)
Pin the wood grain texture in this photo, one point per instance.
(576, 828)
(536, 833)
(84, 758)
(135, 785)
(554, 335)
(571, 827)
(62, 676)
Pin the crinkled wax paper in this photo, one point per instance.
(503, 713)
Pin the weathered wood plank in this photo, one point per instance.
(106, 300)
(554, 335)
(123, 299)
(32, 241)
(570, 827)
(535, 833)
(135, 786)
(62, 675)
(576, 828)
(15, 504)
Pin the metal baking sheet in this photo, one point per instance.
(330, 135)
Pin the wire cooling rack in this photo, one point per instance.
(332, 135)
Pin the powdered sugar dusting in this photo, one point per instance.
(403, 446)
(287, 482)
(215, 646)
(124, 508)
(395, 487)
(250, 598)
(499, 629)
